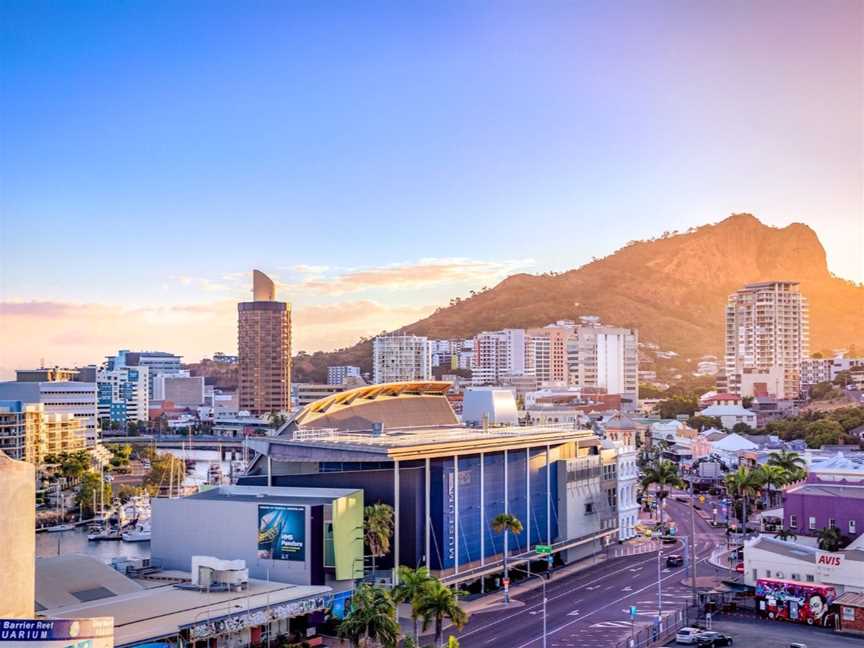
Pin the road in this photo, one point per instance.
(590, 608)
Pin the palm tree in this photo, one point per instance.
(741, 485)
(371, 617)
(789, 461)
(412, 583)
(786, 534)
(773, 477)
(830, 539)
(378, 527)
(506, 523)
(439, 602)
(662, 474)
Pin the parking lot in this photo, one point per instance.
(773, 634)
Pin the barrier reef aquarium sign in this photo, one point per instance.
(281, 532)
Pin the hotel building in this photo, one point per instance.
(401, 357)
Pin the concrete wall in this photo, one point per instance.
(187, 527)
(17, 539)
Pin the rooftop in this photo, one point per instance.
(274, 495)
(150, 614)
(823, 490)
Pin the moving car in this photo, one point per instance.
(674, 561)
(713, 639)
(687, 635)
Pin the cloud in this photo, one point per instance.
(403, 276)
(67, 333)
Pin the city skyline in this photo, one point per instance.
(393, 157)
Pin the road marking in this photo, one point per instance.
(627, 589)
(611, 624)
(573, 613)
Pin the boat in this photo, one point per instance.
(105, 534)
(141, 533)
(58, 528)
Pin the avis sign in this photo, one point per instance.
(827, 563)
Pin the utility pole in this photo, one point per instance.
(693, 545)
(659, 586)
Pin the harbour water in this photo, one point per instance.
(76, 542)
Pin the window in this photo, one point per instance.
(793, 521)
(852, 526)
(795, 576)
(589, 508)
(755, 574)
(767, 573)
(848, 613)
(809, 578)
(832, 523)
(812, 523)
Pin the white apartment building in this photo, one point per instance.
(181, 389)
(606, 357)
(124, 394)
(60, 397)
(767, 326)
(339, 375)
(397, 358)
(628, 487)
(501, 353)
(815, 371)
(156, 362)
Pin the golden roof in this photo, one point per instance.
(367, 393)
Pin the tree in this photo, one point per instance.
(276, 419)
(823, 432)
(677, 405)
(411, 585)
(377, 529)
(786, 534)
(791, 462)
(506, 523)
(165, 470)
(830, 539)
(741, 428)
(742, 485)
(89, 494)
(774, 477)
(662, 474)
(699, 422)
(371, 617)
(439, 602)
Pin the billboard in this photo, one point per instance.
(281, 532)
(97, 632)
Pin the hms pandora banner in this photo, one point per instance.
(97, 632)
(282, 532)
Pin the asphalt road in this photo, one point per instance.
(590, 608)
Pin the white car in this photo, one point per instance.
(687, 635)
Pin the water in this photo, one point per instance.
(76, 542)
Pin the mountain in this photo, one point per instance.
(673, 289)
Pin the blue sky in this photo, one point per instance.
(154, 152)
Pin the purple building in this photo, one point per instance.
(815, 505)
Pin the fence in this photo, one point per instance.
(657, 634)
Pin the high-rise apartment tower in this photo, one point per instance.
(264, 346)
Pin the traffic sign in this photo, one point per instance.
(633, 611)
(506, 582)
(543, 549)
(701, 499)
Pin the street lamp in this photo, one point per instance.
(543, 583)
(659, 586)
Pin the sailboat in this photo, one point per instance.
(57, 528)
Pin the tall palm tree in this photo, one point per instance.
(412, 584)
(371, 617)
(830, 539)
(377, 529)
(662, 474)
(506, 523)
(774, 477)
(742, 485)
(439, 602)
(789, 461)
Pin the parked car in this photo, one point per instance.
(713, 639)
(687, 635)
(739, 568)
(674, 561)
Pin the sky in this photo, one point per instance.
(380, 158)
